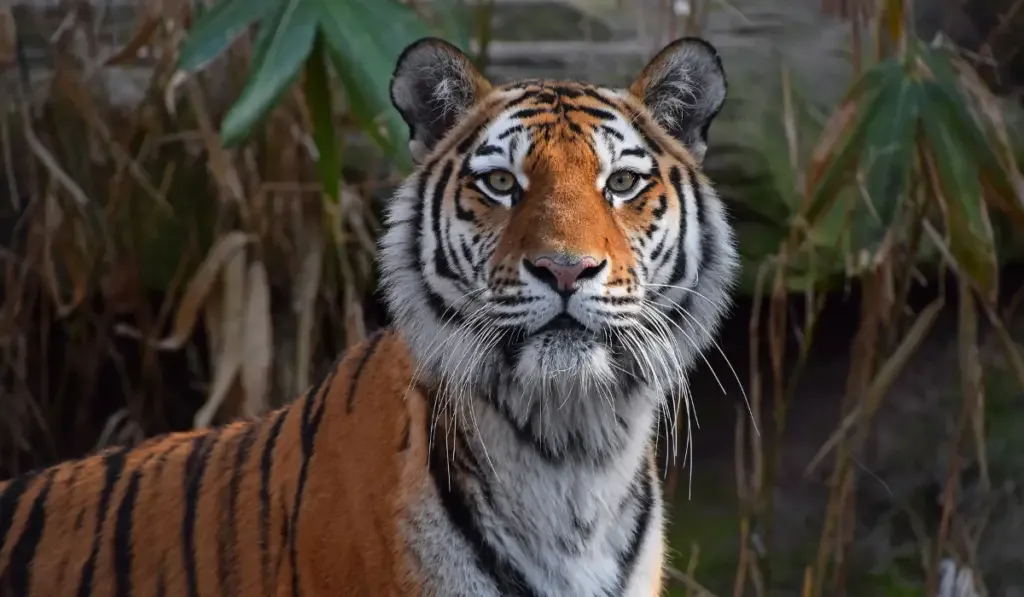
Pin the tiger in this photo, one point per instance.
(553, 266)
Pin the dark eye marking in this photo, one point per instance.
(612, 132)
(488, 149)
(511, 131)
(634, 151)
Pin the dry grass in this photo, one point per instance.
(146, 256)
(137, 237)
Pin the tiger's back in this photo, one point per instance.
(226, 511)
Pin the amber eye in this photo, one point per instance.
(622, 181)
(501, 182)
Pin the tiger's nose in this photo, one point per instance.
(563, 272)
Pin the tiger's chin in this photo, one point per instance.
(564, 363)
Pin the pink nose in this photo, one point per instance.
(565, 272)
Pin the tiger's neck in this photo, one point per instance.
(570, 509)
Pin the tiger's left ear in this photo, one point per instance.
(684, 88)
(433, 86)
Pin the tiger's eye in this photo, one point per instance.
(622, 181)
(501, 181)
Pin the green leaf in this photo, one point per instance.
(971, 131)
(216, 28)
(283, 45)
(832, 174)
(968, 227)
(318, 99)
(366, 38)
(887, 159)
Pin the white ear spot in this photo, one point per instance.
(419, 150)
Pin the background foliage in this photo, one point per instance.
(196, 251)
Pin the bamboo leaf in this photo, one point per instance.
(365, 38)
(956, 172)
(318, 98)
(839, 149)
(285, 42)
(199, 288)
(215, 29)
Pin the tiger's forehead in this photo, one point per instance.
(533, 122)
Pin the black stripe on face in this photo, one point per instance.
(597, 113)
(487, 149)
(195, 468)
(433, 300)
(508, 580)
(640, 124)
(266, 464)
(675, 177)
(114, 464)
(19, 567)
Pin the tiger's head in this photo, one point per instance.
(557, 237)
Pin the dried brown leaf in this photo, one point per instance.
(130, 51)
(836, 129)
(259, 341)
(219, 160)
(228, 363)
(8, 35)
(882, 381)
(304, 299)
(226, 248)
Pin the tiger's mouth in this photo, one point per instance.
(563, 322)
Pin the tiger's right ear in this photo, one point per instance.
(434, 84)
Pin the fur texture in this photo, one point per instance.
(555, 265)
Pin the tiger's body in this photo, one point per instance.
(554, 266)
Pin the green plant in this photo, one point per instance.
(909, 173)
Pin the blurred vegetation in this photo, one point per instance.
(197, 251)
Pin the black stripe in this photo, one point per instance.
(508, 580)
(266, 464)
(195, 467)
(161, 581)
(406, 436)
(644, 492)
(675, 177)
(311, 418)
(19, 566)
(227, 555)
(524, 433)
(371, 347)
(9, 500)
(123, 534)
(114, 464)
(487, 149)
(441, 264)
(434, 302)
(592, 112)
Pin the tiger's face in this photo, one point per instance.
(557, 236)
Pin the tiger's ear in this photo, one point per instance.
(684, 88)
(434, 84)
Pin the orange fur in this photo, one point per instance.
(370, 445)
